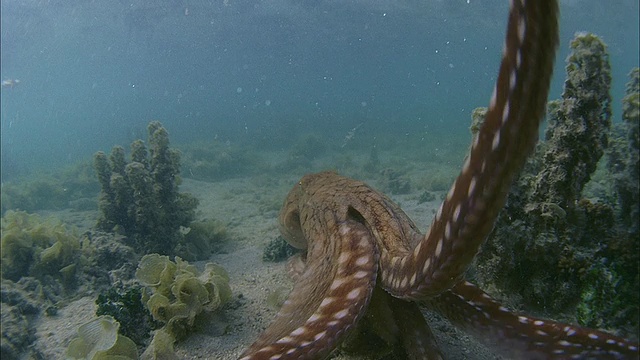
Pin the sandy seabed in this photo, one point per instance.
(249, 207)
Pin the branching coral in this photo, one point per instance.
(140, 198)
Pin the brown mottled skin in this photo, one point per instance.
(365, 256)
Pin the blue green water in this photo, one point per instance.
(93, 74)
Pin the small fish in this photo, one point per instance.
(10, 83)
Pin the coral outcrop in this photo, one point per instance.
(577, 134)
(140, 198)
(552, 249)
(624, 155)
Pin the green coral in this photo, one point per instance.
(35, 247)
(177, 293)
(140, 198)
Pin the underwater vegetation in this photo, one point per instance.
(304, 151)
(41, 264)
(177, 294)
(216, 161)
(40, 248)
(277, 250)
(74, 187)
(99, 339)
(393, 182)
(553, 248)
(140, 197)
(201, 239)
(127, 309)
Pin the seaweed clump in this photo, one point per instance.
(41, 248)
(99, 339)
(177, 295)
(40, 263)
(553, 249)
(201, 239)
(74, 187)
(140, 198)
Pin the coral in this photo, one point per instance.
(277, 249)
(552, 249)
(99, 339)
(579, 124)
(177, 293)
(624, 155)
(477, 119)
(111, 262)
(127, 308)
(140, 198)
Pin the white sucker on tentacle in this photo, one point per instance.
(524, 337)
(331, 295)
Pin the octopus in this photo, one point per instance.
(367, 265)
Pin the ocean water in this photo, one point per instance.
(93, 74)
(255, 94)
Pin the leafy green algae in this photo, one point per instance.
(176, 294)
(32, 246)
